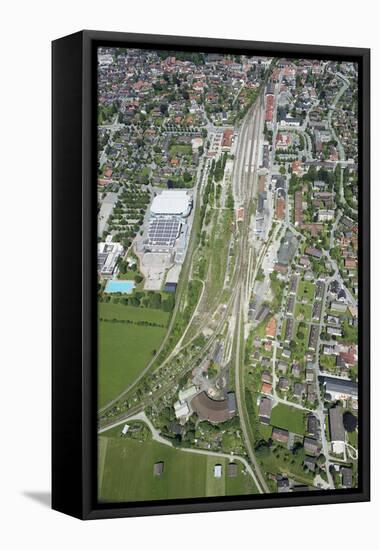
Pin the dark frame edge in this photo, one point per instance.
(365, 265)
(67, 419)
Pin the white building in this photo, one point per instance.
(172, 202)
(187, 393)
(181, 406)
(338, 306)
(217, 472)
(181, 409)
(325, 215)
(107, 255)
(105, 59)
(125, 429)
(292, 122)
(334, 331)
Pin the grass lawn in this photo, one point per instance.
(288, 418)
(328, 363)
(145, 171)
(352, 438)
(128, 275)
(119, 311)
(125, 349)
(303, 312)
(280, 459)
(126, 473)
(301, 344)
(306, 290)
(181, 149)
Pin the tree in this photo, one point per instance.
(169, 303)
(298, 449)
(262, 449)
(321, 460)
(350, 421)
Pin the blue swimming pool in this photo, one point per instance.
(126, 287)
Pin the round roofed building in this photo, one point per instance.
(172, 202)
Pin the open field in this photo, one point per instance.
(288, 418)
(303, 312)
(125, 348)
(126, 472)
(306, 291)
(136, 314)
(180, 149)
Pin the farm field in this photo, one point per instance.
(125, 348)
(288, 418)
(126, 472)
(119, 311)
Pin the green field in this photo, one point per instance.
(126, 472)
(280, 459)
(288, 418)
(180, 149)
(125, 349)
(303, 312)
(119, 311)
(328, 363)
(306, 290)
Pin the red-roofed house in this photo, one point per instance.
(266, 388)
(296, 167)
(227, 137)
(350, 263)
(279, 212)
(271, 328)
(240, 214)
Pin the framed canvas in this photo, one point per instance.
(211, 276)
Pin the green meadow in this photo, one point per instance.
(126, 472)
(125, 348)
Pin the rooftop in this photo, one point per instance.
(171, 201)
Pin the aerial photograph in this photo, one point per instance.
(227, 258)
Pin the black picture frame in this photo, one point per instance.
(74, 231)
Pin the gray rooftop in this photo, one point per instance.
(337, 431)
(340, 385)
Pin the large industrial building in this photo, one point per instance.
(167, 226)
(163, 246)
(172, 202)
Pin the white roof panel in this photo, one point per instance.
(171, 202)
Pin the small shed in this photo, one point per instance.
(232, 469)
(158, 468)
(217, 472)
